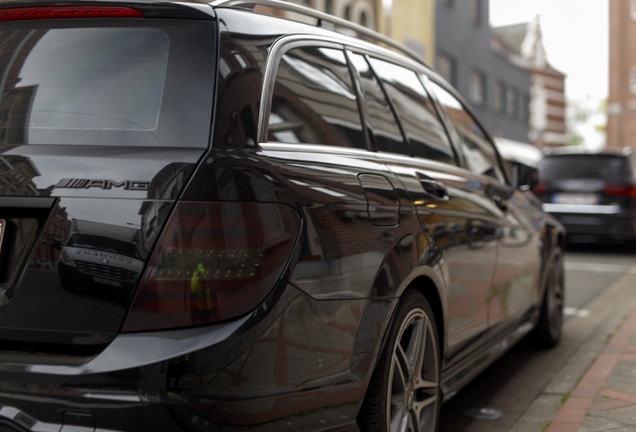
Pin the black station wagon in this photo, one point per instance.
(212, 218)
(593, 194)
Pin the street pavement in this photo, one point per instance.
(586, 383)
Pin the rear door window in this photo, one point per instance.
(416, 112)
(132, 85)
(314, 101)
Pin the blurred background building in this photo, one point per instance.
(522, 44)
(497, 88)
(621, 103)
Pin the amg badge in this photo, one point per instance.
(103, 184)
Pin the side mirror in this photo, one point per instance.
(524, 177)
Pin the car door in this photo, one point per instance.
(456, 219)
(514, 287)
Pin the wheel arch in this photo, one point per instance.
(430, 283)
(430, 291)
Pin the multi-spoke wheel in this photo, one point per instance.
(548, 331)
(403, 395)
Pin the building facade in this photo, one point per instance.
(522, 44)
(497, 89)
(410, 22)
(621, 103)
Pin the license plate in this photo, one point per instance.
(575, 198)
(107, 282)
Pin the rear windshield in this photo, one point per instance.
(139, 83)
(609, 168)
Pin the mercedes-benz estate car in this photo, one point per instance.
(218, 219)
(593, 194)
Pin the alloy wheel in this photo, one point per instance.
(413, 404)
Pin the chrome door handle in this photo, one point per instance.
(435, 188)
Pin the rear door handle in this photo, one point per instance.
(435, 188)
(500, 202)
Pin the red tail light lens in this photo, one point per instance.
(622, 190)
(540, 189)
(214, 261)
(68, 12)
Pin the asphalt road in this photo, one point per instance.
(512, 383)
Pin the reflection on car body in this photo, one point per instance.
(99, 254)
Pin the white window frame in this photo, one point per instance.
(476, 87)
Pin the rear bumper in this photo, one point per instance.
(598, 227)
(283, 366)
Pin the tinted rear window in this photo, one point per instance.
(599, 167)
(106, 85)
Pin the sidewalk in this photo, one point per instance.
(605, 398)
(596, 390)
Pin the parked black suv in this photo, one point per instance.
(216, 219)
(593, 194)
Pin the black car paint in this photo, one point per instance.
(236, 373)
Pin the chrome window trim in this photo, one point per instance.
(314, 148)
(278, 49)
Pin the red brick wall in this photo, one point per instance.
(621, 127)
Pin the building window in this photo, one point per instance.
(347, 13)
(446, 68)
(633, 9)
(632, 80)
(524, 107)
(363, 19)
(329, 7)
(511, 103)
(476, 88)
(499, 97)
(475, 11)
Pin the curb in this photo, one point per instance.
(581, 401)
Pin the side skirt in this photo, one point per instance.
(460, 374)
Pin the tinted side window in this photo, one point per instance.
(314, 101)
(417, 114)
(478, 151)
(386, 133)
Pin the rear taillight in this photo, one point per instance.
(622, 190)
(214, 261)
(540, 189)
(58, 12)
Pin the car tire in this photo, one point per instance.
(550, 325)
(404, 391)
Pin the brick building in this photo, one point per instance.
(522, 44)
(621, 106)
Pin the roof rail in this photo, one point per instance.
(322, 17)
